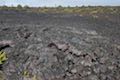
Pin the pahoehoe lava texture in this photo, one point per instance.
(60, 46)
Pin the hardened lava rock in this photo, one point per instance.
(59, 47)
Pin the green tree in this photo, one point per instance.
(59, 7)
(19, 7)
(26, 7)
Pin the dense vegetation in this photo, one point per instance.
(60, 9)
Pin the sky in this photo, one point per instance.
(53, 3)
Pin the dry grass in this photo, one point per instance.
(60, 9)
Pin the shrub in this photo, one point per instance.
(3, 57)
(4, 7)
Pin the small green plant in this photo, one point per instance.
(3, 57)
(26, 73)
